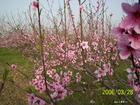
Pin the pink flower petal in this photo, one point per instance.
(118, 31)
(135, 41)
(136, 7)
(127, 8)
(137, 29)
(136, 53)
(124, 54)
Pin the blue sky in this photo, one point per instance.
(13, 7)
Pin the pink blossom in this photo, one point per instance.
(126, 50)
(137, 29)
(33, 100)
(39, 82)
(136, 88)
(100, 74)
(59, 92)
(133, 15)
(51, 72)
(71, 54)
(107, 68)
(56, 77)
(129, 70)
(95, 45)
(134, 38)
(84, 45)
(13, 67)
(118, 32)
(61, 46)
(81, 7)
(66, 79)
(35, 4)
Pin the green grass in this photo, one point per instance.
(92, 91)
(12, 95)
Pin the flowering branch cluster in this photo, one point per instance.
(60, 56)
(128, 37)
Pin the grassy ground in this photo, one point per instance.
(11, 95)
(92, 93)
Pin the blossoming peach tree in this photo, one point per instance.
(57, 65)
(128, 41)
(53, 74)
